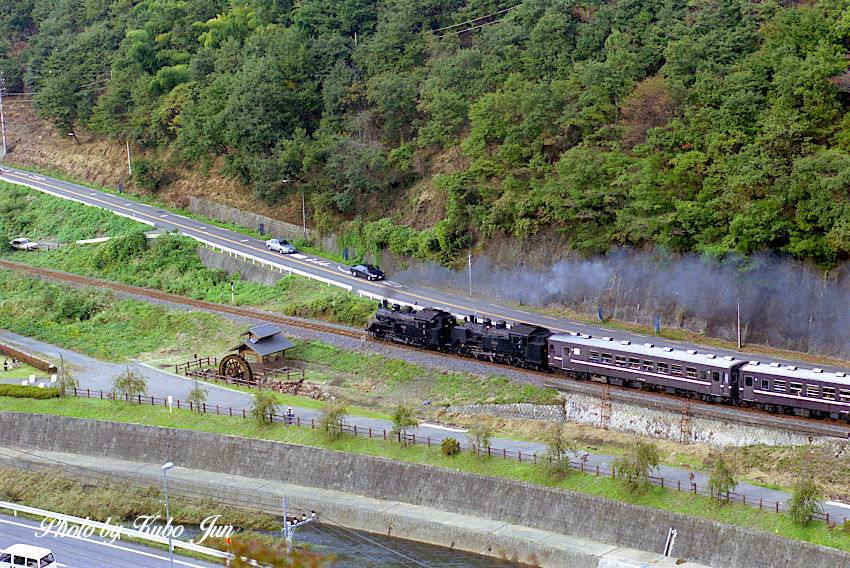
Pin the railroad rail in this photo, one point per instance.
(201, 304)
(650, 400)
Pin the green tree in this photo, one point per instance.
(635, 468)
(333, 417)
(403, 420)
(560, 449)
(805, 502)
(264, 406)
(479, 438)
(721, 482)
(129, 385)
(197, 396)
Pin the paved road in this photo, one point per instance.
(96, 374)
(94, 552)
(394, 288)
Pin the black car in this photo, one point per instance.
(367, 271)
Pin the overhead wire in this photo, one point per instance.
(363, 537)
(476, 19)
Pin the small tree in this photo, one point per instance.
(805, 502)
(264, 406)
(479, 438)
(67, 383)
(559, 451)
(129, 385)
(450, 447)
(403, 421)
(721, 481)
(332, 419)
(197, 396)
(634, 469)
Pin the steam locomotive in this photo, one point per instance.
(691, 373)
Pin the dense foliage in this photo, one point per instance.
(715, 126)
(21, 391)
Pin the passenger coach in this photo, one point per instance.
(687, 373)
(787, 389)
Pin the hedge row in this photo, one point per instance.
(21, 391)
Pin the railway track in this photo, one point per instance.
(201, 304)
(649, 400)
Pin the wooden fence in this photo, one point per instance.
(578, 465)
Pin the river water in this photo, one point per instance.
(354, 549)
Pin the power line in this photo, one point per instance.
(476, 19)
(470, 29)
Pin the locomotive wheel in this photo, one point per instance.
(236, 367)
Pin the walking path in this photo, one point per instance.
(98, 375)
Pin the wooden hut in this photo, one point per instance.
(263, 353)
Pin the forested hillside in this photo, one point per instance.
(707, 125)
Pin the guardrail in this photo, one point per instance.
(577, 465)
(267, 263)
(110, 529)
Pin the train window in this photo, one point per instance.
(715, 376)
(844, 395)
(619, 360)
(662, 368)
(829, 393)
(593, 356)
(576, 351)
(606, 358)
(634, 363)
(779, 386)
(703, 374)
(813, 391)
(765, 384)
(690, 372)
(676, 370)
(795, 388)
(648, 365)
(748, 381)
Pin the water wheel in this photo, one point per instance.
(237, 368)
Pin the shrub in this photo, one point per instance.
(21, 391)
(332, 419)
(805, 502)
(197, 396)
(263, 407)
(403, 421)
(129, 385)
(635, 468)
(479, 436)
(721, 481)
(450, 447)
(559, 451)
(148, 174)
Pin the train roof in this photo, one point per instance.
(501, 328)
(793, 372)
(426, 314)
(650, 350)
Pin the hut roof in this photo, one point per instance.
(264, 340)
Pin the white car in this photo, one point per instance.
(19, 555)
(280, 245)
(23, 243)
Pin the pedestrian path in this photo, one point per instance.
(98, 375)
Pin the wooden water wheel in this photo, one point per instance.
(237, 368)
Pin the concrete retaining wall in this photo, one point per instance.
(612, 522)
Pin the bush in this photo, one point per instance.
(450, 447)
(21, 391)
(805, 502)
(148, 174)
(264, 406)
(333, 418)
(635, 468)
(129, 385)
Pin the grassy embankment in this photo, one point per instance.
(101, 324)
(585, 483)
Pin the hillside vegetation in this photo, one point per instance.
(715, 126)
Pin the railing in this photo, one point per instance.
(205, 369)
(201, 363)
(578, 465)
(269, 264)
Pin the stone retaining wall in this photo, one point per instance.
(273, 227)
(612, 522)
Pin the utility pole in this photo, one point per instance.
(129, 165)
(469, 264)
(739, 322)
(303, 213)
(2, 118)
(290, 526)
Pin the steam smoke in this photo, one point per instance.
(784, 303)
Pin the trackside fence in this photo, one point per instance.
(534, 458)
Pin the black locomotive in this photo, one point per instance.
(427, 328)
(692, 374)
(521, 345)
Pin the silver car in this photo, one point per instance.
(280, 245)
(23, 243)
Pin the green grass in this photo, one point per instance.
(22, 372)
(668, 500)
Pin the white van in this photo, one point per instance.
(19, 555)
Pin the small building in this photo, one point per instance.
(264, 350)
